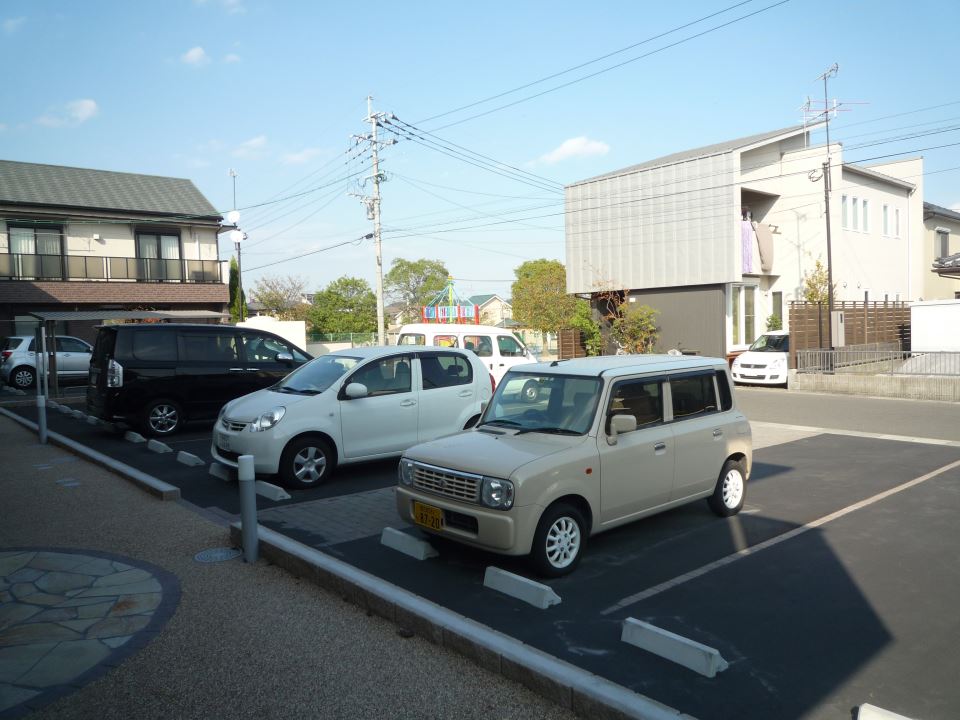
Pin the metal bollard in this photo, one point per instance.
(42, 418)
(248, 508)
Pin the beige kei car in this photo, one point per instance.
(607, 440)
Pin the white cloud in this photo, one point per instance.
(195, 56)
(251, 147)
(73, 113)
(575, 147)
(231, 58)
(11, 25)
(299, 158)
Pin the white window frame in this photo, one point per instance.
(866, 215)
(886, 220)
(896, 222)
(855, 214)
(941, 243)
(845, 220)
(737, 318)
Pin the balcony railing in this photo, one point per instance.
(81, 267)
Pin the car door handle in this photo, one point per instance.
(717, 432)
(408, 403)
(660, 447)
(465, 393)
(236, 369)
(252, 369)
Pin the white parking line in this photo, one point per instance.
(854, 433)
(703, 570)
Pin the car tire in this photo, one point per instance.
(559, 541)
(731, 489)
(23, 377)
(161, 418)
(530, 391)
(306, 462)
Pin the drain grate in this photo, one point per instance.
(217, 555)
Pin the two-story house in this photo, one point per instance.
(941, 252)
(74, 239)
(719, 238)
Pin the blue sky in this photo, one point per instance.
(191, 88)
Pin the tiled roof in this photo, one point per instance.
(941, 211)
(481, 299)
(58, 186)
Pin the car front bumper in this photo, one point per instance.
(227, 445)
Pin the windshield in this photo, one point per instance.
(558, 404)
(771, 343)
(316, 376)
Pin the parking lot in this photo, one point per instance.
(835, 586)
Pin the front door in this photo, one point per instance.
(73, 357)
(636, 472)
(385, 421)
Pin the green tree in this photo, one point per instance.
(635, 329)
(540, 300)
(815, 284)
(414, 283)
(279, 296)
(238, 301)
(345, 305)
(590, 328)
(774, 322)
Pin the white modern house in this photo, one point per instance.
(720, 237)
(941, 252)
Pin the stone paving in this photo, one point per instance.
(67, 616)
(337, 519)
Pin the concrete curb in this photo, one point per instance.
(529, 591)
(160, 489)
(570, 687)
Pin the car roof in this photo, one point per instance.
(620, 365)
(375, 351)
(776, 332)
(453, 328)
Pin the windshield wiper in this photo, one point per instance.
(294, 391)
(508, 423)
(551, 430)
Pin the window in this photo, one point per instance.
(856, 214)
(154, 345)
(778, 304)
(263, 348)
(844, 213)
(641, 398)
(209, 347)
(480, 344)
(896, 222)
(71, 345)
(38, 251)
(385, 377)
(723, 385)
(509, 347)
(941, 246)
(445, 340)
(693, 396)
(412, 339)
(445, 371)
(743, 314)
(159, 256)
(886, 220)
(866, 215)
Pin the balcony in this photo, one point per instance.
(74, 267)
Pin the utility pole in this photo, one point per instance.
(237, 235)
(373, 205)
(830, 72)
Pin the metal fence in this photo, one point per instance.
(94, 267)
(865, 361)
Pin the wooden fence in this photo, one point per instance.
(570, 344)
(865, 323)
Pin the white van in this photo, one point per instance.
(497, 348)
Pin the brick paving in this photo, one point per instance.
(338, 519)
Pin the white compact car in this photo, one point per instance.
(766, 362)
(18, 359)
(352, 405)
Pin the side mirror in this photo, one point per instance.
(284, 357)
(359, 390)
(621, 424)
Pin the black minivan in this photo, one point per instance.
(159, 376)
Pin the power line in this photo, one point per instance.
(355, 241)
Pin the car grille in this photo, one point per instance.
(233, 425)
(748, 365)
(449, 483)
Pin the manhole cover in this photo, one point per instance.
(216, 555)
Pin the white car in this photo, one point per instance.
(608, 441)
(18, 359)
(766, 362)
(352, 405)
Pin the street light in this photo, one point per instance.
(237, 236)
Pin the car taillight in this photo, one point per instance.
(493, 383)
(114, 374)
(6, 353)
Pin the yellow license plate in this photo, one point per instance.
(428, 516)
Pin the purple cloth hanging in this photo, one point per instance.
(746, 245)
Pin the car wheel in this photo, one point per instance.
(23, 377)
(731, 489)
(559, 541)
(531, 391)
(162, 418)
(306, 462)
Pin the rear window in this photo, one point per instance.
(10, 343)
(159, 345)
(445, 371)
(103, 347)
(693, 396)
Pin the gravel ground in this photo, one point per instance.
(245, 641)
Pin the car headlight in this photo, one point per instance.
(778, 363)
(736, 363)
(497, 493)
(405, 471)
(268, 419)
